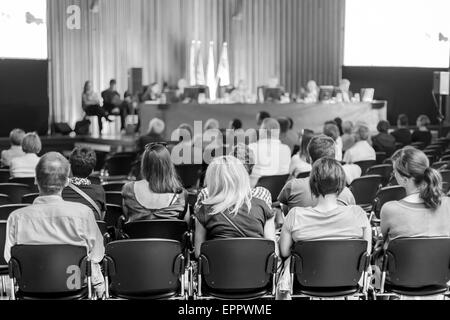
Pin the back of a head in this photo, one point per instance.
(412, 163)
(211, 124)
(31, 143)
(331, 130)
(347, 127)
(383, 126)
(52, 173)
(291, 123)
(82, 162)
(403, 120)
(16, 137)
(228, 185)
(236, 124)
(184, 133)
(159, 171)
(423, 121)
(321, 147)
(242, 152)
(156, 126)
(112, 82)
(362, 133)
(327, 177)
(284, 124)
(306, 139)
(261, 116)
(270, 128)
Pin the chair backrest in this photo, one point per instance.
(29, 198)
(4, 199)
(329, 263)
(113, 214)
(393, 193)
(445, 158)
(274, 184)
(157, 229)
(114, 197)
(441, 165)
(365, 188)
(303, 175)
(384, 170)
(114, 186)
(15, 191)
(237, 265)
(6, 210)
(3, 263)
(30, 182)
(364, 165)
(119, 164)
(4, 175)
(189, 174)
(418, 262)
(43, 269)
(381, 156)
(445, 175)
(144, 267)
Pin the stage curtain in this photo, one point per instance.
(294, 40)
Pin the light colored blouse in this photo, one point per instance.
(24, 167)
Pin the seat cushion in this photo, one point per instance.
(416, 292)
(324, 292)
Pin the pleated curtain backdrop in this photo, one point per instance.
(294, 40)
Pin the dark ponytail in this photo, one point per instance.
(431, 192)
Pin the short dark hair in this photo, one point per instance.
(82, 162)
(383, 126)
(263, 115)
(327, 177)
(321, 147)
(284, 124)
(291, 123)
(52, 173)
(403, 119)
(331, 130)
(236, 124)
(112, 82)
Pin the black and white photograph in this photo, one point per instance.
(224, 158)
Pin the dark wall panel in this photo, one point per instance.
(23, 95)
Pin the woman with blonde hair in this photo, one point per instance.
(230, 210)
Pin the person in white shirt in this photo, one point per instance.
(271, 156)
(15, 138)
(361, 150)
(24, 166)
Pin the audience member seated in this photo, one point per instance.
(297, 192)
(422, 134)
(271, 156)
(300, 161)
(260, 117)
(230, 210)
(289, 140)
(348, 138)
(160, 194)
(402, 135)
(156, 128)
(327, 219)
(292, 134)
(15, 138)
(80, 189)
(51, 220)
(185, 152)
(361, 150)
(338, 122)
(236, 124)
(25, 166)
(425, 212)
(331, 130)
(383, 141)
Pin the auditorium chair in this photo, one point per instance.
(381, 156)
(29, 198)
(386, 194)
(6, 210)
(445, 175)
(274, 184)
(441, 165)
(417, 145)
(157, 229)
(3, 263)
(114, 197)
(145, 269)
(241, 268)
(42, 272)
(119, 164)
(303, 175)
(189, 175)
(365, 165)
(114, 186)
(329, 269)
(31, 182)
(384, 170)
(4, 199)
(15, 191)
(445, 158)
(364, 190)
(4, 175)
(416, 267)
(113, 215)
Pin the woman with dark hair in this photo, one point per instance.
(300, 162)
(328, 219)
(160, 194)
(425, 212)
(81, 189)
(91, 105)
(383, 141)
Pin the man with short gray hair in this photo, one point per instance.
(15, 138)
(51, 220)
